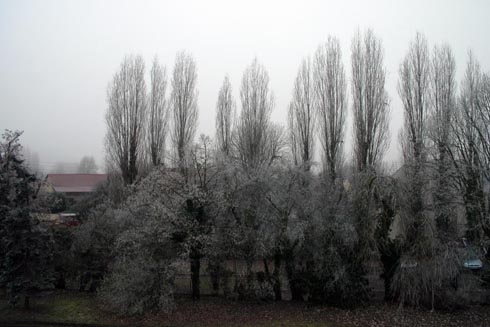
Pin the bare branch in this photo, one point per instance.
(184, 106)
(301, 117)
(125, 117)
(370, 103)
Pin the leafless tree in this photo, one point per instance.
(301, 117)
(87, 165)
(413, 88)
(468, 145)
(370, 103)
(125, 117)
(483, 106)
(184, 106)
(426, 88)
(442, 89)
(225, 113)
(331, 103)
(370, 108)
(157, 128)
(252, 137)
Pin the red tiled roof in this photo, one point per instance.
(75, 183)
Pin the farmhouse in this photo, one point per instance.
(73, 186)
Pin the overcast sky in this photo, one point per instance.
(57, 57)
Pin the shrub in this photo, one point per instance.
(138, 285)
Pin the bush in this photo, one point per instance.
(429, 281)
(138, 285)
(258, 289)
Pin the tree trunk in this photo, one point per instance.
(277, 278)
(26, 302)
(195, 274)
(294, 285)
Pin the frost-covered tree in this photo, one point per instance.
(301, 117)
(442, 94)
(413, 88)
(256, 142)
(183, 107)
(125, 117)
(225, 115)
(370, 107)
(331, 104)
(469, 141)
(158, 114)
(428, 262)
(370, 103)
(25, 247)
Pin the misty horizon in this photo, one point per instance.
(60, 57)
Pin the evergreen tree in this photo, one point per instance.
(25, 246)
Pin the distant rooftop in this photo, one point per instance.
(75, 183)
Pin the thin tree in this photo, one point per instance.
(370, 103)
(331, 103)
(370, 106)
(413, 88)
(125, 117)
(442, 88)
(252, 139)
(184, 106)
(225, 112)
(301, 117)
(468, 146)
(157, 127)
(483, 127)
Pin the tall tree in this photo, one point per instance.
(483, 106)
(442, 88)
(184, 106)
(370, 103)
(157, 128)
(301, 118)
(225, 114)
(254, 136)
(331, 103)
(370, 106)
(413, 88)
(468, 145)
(125, 117)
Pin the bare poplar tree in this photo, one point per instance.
(413, 88)
(370, 108)
(225, 112)
(157, 128)
(370, 103)
(331, 103)
(125, 117)
(184, 106)
(252, 135)
(467, 157)
(442, 89)
(483, 106)
(301, 117)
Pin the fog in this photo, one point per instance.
(57, 57)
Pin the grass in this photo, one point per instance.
(70, 307)
(75, 307)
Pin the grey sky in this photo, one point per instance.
(57, 57)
